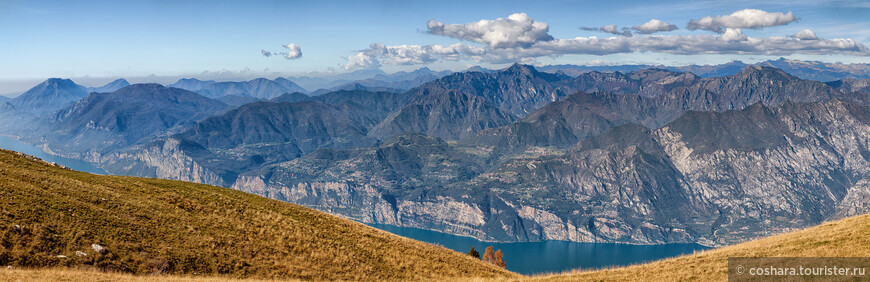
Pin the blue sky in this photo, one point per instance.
(141, 40)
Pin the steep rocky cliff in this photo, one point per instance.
(709, 177)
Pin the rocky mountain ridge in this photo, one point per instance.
(707, 177)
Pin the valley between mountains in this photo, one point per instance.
(648, 156)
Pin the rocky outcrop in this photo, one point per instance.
(443, 113)
(169, 159)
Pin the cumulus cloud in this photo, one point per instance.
(731, 40)
(734, 34)
(293, 51)
(654, 26)
(361, 61)
(612, 29)
(805, 34)
(747, 18)
(378, 53)
(517, 30)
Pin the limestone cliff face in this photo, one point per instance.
(168, 159)
(708, 177)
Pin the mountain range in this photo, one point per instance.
(709, 177)
(645, 157)
(260, 88)
(111, 86)
(104, 121)
(651, 98)
(811, 70)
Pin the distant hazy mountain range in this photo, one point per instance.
(590, 154)
(370, 78)
(818, 71)
(118, 119)
(111, 86)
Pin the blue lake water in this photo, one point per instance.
(15, 145)
(551, 256)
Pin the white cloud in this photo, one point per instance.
(747, 18)
(361, 61)
(378, 53)
(293, 51)
(517, 30)
(732, 40)
(612, 29)
(805, 34)
(225, 72)
(734, 34)
(654, 26)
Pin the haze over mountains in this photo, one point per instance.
(49, 96)
(645, 156)
(111, 86)
(811, 70)
(104, 121)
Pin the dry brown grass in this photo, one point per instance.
(68, 274)
(848, 237)
(159, 226)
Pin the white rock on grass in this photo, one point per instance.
(81, 254)
(98, 248)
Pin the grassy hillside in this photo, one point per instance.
(48, 214)
(848, 237)
(68, 274)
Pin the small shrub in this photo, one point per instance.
(474, 253)
(495, 258)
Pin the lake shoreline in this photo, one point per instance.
(552, 256)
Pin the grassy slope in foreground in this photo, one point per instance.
(173, 227)
(848, 237)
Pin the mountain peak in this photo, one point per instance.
(145, 86)
(50, 95)
(422, 71)
(763, 70)
(60, 82)
(111, 86)
(520, 68)
(119, 81)
(476, 69)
